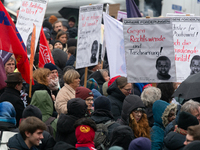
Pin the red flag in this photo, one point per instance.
(44, 53)
(11, 41)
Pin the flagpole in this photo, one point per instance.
(85, 77)
(32, 58)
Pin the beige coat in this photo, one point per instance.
(64, 95)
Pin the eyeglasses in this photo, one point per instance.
(128, 90)
(90, 100)
(138, 111)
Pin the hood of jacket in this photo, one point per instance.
(43, 101)
(174, 140)
(114, 91)
(159, 107)
(166, 113)
(65, 124)
(101, 116)
(97, 76)
(60, 58)
(17, 142)
(76, 107)
(130, 103)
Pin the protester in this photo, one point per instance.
(48, 141)
(63, 146)
(62, 37)
(42, 100)
(71, 56)
(117, 92)
(176, 138)
(92, 84)
(102, 115)
(58, 45)
(10, 65)
(29, 136)
(133, 115)
(122, 136)
(12, 93)
(193, 146)
(140, 143)
(71, 22)
(193, 133)
(104, 88)
(85, 133)
(65, 26)
(71, 79)
(57, 26)
(87, 95)
(7, 123)
(76, 109)
(148, 97)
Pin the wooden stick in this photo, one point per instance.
(102, 64)
(85, 77)
(30, 88)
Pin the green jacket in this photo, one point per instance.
(43, 101)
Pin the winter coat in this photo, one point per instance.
(39, 86)
(63, 146)
(102, 116)
(42, 100)
(48, 142)
(130, 103)
(71, 60)
(97, 76)
(13, 96)
(116, 98)
(174, 141)
(122, 136)
(158, 130)
(65, 129)
(60, 58)
(149, 113)
(64, 95)
(17, 143)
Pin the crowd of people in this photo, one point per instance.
(106, 113)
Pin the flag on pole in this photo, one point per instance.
(11, 41)
(44, 52)
(132, 9)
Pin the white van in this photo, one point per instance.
(181, 6)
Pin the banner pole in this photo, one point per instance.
(85, 77)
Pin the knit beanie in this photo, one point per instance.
(50, 66)
(96, 93)
(112, 80)
(102, 102)
(186, 119)
(141, 143)
(57, 42)
(192, 146)
(52, 19)
(82, 92)
(32, 110)
(92, 84)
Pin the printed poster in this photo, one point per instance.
(149, 50)
(89, 35)
(186, 46)
(31, 12)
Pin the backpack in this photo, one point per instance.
(4, 137)
(49, 127)
(100, 139)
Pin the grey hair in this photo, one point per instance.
(150, 95)
(102, 71)
(190, 106)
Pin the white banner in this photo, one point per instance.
(186, 46)
(31, 12)
(89, 35)
(115, 46)
(149, 50)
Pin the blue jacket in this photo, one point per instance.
(158, 130)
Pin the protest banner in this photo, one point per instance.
(115, 46)
(121, 15)
(89, 35)
(31, 12)
(186, 46)
(149, 50)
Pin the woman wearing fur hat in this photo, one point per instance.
(133, 115)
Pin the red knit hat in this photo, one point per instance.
(112, 80)
(82, 92)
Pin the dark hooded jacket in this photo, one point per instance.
(130, 103)
(37, 86)
(63, 146)
(116, 98)
(174, 141)
(102, 116)
(65, 130)
(97, 76)
(13, 96)
(122, 136)
(17, 143)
